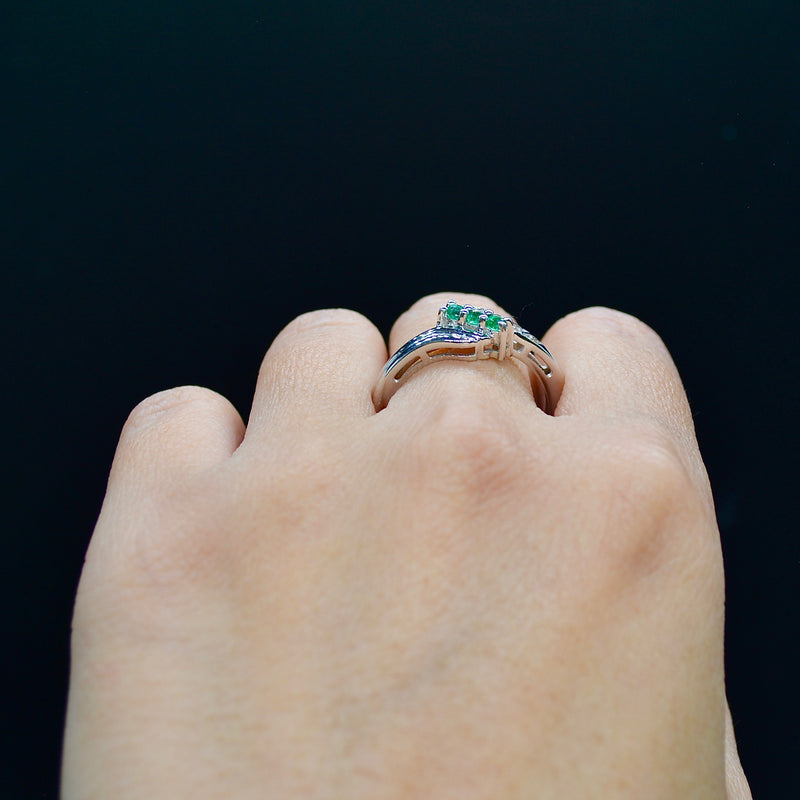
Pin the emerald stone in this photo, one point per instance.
(453, 311)
(493, 322)
(474, 317)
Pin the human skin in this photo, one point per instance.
(457, 597)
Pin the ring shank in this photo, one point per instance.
(440, 343)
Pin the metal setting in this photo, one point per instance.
(467, 333)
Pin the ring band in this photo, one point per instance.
(467, 333)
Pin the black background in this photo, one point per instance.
(179, 180)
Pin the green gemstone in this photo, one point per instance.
(453, 311)
(474, 317)
(493, 322)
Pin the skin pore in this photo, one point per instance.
(457, 597)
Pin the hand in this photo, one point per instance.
(457, 597)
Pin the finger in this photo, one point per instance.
(617, 366)
(174, 433)
(502, 379)
(320, 368)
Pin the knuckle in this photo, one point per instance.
(649, 493)
(162, 405)
(206, 531)
(652, 466)
(296, 348)
(142, 577)
(467, 449)
(181, 542)
(654, 477)
(327, 318)
(616, 324)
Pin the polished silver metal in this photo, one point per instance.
(458, 339)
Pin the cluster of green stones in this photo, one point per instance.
(470, 318)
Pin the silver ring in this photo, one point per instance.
(467, 333)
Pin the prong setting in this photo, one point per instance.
(471, 318)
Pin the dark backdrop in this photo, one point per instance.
(180, 179)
